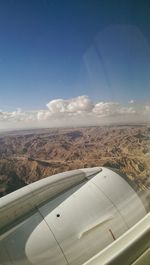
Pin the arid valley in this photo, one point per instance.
(27, 156)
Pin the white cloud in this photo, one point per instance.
(132, 101)
(76, 111)
(74, 105)
(127, 110)
(111, 109)
(43, 115)
(17, 116)
(106, 108)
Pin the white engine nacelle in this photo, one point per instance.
(66, 218)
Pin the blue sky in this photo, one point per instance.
(52, 49)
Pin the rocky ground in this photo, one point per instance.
(27, 156)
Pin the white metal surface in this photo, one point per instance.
(33, 237)
(85, 213)
(128, 249)
(26, 199)
(121, 194)
(86, 208)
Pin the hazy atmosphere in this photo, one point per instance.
(76, 112)
(70, 63)
(74, 132)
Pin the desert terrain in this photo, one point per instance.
(27, 156)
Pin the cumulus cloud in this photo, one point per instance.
(106, 108)
(74, 105)
(76, 111)
(111, 109)
(17, 116)
(43, 115)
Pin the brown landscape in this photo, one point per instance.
(27, 156)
